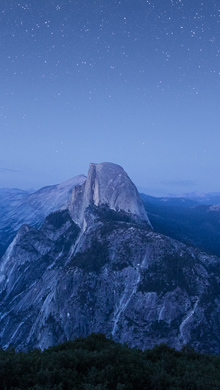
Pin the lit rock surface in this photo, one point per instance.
(107, 184)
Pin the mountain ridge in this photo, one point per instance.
(102, 268)
(186, 220)
(31, 208)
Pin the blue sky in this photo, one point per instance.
(134, 82)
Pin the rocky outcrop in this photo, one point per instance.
(114, 275)
(109, 185)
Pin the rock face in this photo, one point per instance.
(109, 185)
(110, 274)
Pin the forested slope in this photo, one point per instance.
(99, 363)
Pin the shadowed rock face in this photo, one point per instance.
(107, 184)
(111, 274)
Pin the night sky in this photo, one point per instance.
(134, 82)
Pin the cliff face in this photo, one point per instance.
(110, 274)
(107, 184)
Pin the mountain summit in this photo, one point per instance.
(97, 266)
(107, 184)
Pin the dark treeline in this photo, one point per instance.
(99, 363)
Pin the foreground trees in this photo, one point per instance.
(101, 364)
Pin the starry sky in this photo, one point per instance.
(135, 82)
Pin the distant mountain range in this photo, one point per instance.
(208, 198)
(106, 261)
(186, 220)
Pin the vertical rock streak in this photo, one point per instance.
(130, 291)
(186, 320)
